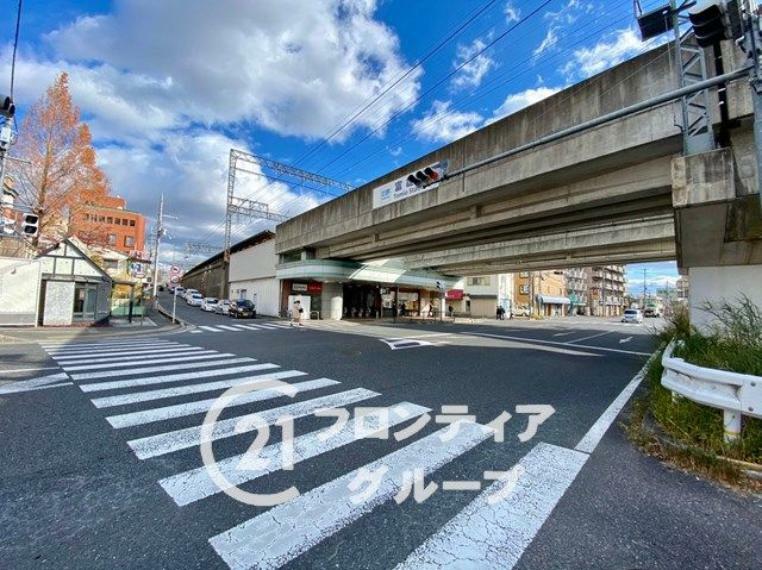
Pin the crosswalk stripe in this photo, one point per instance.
(148, 380)
(149, 395)
(249, 327)
(208, 328)
(151, 369)
(40, 383)
(195, 331)
(144, 352)
(244, 327)
(199, 406)
(497, 534)
(96, 349)
(168, 442)
(268, 327)
(228, 328)
(180, 352)
(288, 530)
(66, 344)
(278, 325)
(196, 484)
(119, 363)
(256, 327)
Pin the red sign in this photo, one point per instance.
(454, 295)
(314, 287)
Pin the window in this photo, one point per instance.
(112, 239)
(524, 274)
(524, 289)
(109, 220)
(132, 223)
(126, 222)
(478, 281)
(129, 241)
(101, 218)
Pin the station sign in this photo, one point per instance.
(411, 184)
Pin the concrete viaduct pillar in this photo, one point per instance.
(718, 226)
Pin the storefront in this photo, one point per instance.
(349, 290)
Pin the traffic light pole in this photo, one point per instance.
(159, 233)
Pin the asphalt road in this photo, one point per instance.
(97, 472)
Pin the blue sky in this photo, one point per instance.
(168, 87)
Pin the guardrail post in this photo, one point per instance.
(731, 421)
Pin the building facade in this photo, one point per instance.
(540, 293)
(482, 295)
(606, 290)
(252, 273)
(576, 290)
(107, 222)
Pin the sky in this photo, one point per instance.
(169, 87)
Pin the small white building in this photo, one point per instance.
(252, 273)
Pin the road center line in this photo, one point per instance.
(538, 341)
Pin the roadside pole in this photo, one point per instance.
(159, 233)
(174, 303)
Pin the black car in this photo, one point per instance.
(243, 309)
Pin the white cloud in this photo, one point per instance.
(512, 13)
(289, 66)
(441, 124)
(548, 42)
(518, 101)
(472, 73)
(609, 51)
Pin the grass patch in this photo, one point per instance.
(696, 431)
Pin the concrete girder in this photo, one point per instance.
(638, 190)
(649, 239)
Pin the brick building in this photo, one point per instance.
(108, 223)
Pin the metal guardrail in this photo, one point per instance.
(733, 393)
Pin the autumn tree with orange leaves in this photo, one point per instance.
(61, 177)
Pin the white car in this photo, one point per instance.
(223, 307)
(189, 292)
(194, 299)
(632, 316)
(209, 304)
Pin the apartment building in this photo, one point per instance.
(107, 222)
(576, 290)
(606, 285)
(541, 292)
(484, 293)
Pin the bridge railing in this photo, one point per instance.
(733, 393)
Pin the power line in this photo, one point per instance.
(440, 82)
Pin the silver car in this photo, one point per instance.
(223, 307)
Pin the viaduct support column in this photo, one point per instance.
(718, 227)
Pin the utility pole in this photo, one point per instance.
(645, 288)
(752, 31)
(159, 233)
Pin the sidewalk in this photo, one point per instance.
(158, 325)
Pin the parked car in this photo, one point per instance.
(632, 316)
(194, 299)
(652, 312)
(180, 292)
(223, 307)
(189, 292)
(209, 304)
(243, 309)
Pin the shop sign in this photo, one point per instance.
(314, 287)
(299, 287)
(454, 295)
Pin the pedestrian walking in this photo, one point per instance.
(296, 313)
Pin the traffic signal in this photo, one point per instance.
(31, 225)
(428, 175)
(714, 21)
(7, 108)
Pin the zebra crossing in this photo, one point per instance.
(266, 326)
(129, 379)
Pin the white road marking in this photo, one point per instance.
(404, 343)
(268, 327)
(97, 349)
(151, 369)
(149, 380)
(195, 331)
(596, 335)
(256, 327)
(594, 435)
(200, 406)
(567, 333)
(290, 529)
(19, 370)
(190, 351)
(41, 383)
(207, 355)
(249, 327)
(68, 344)
(624, 340)
(209, 329)
(494, 536)
(278, 325)
(243, 327)
(155, 445)
(194, 485)
(228, 328)
(144, 352)
(538, 341)
(149, 395)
